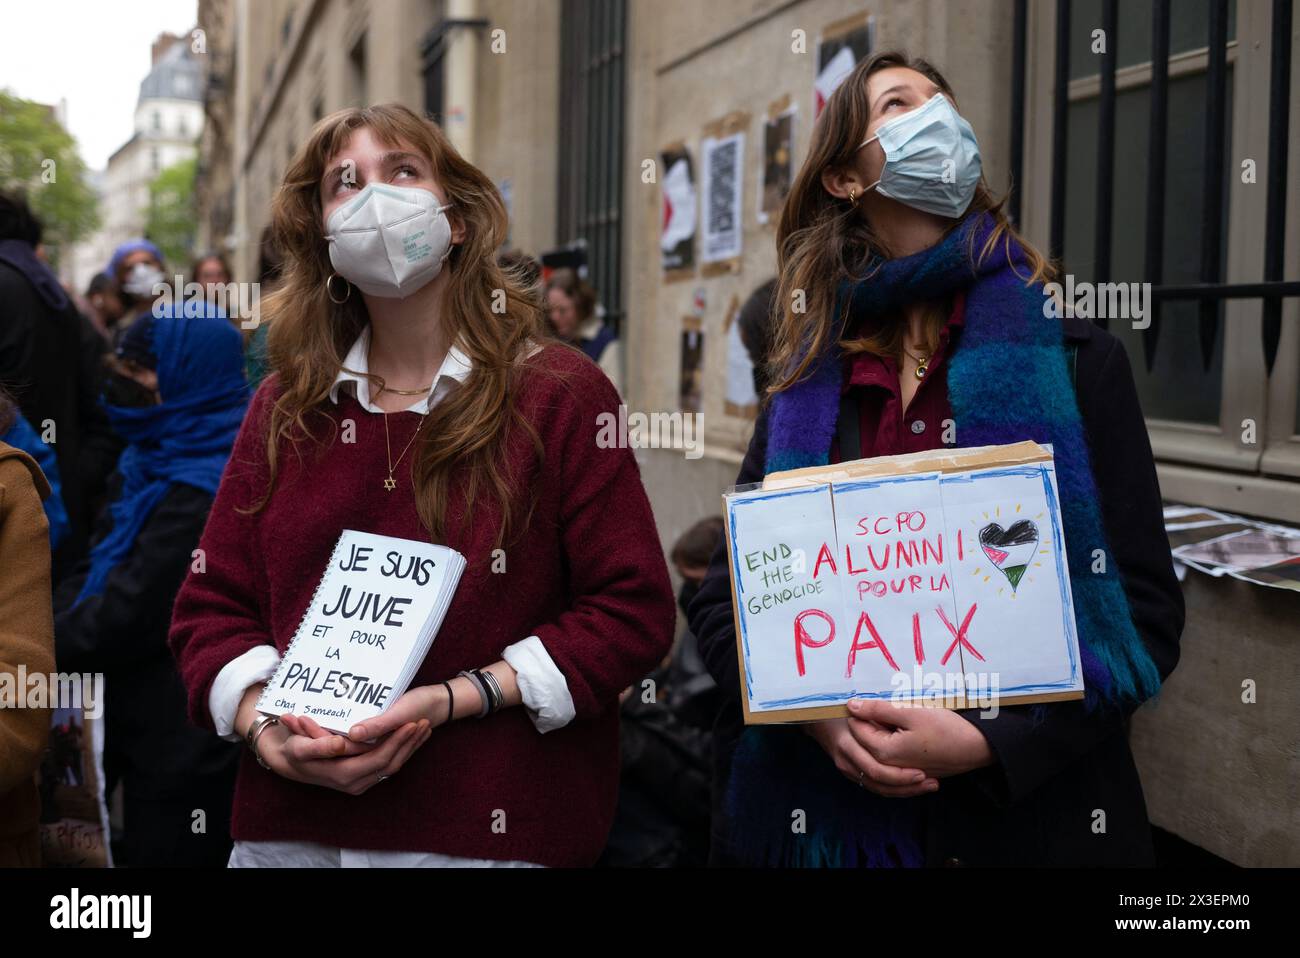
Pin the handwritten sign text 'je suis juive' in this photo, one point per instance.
(353, 605)
(366, 630)
(947, 586)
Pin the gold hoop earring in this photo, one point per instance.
(329, 290)
(853, 197)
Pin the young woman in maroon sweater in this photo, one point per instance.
(413, 395)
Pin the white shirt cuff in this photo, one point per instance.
(541, 684)
(228, 688)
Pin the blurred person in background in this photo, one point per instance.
(16, 431)
(571, 313)
(694, 693)
(49, 363)
(104, 305)
(665, 740)
(212, 272)
(27, 641)
(176, 392)
(756, 330)
(269, 264)
(137, 268)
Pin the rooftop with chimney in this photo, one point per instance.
(177, 73)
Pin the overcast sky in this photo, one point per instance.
(92, 53)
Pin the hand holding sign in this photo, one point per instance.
(296, 756)
(426, 703)
(840, 741)
(937, 740)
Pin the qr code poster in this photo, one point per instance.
(723, 166)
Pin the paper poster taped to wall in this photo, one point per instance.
(938, 578)
(722, 154)
(677, 223)
(841, 46)
(778, 159)
(692, 385)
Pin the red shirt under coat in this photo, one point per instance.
(885, 428)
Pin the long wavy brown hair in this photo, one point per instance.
(485, 310)
(822, 239)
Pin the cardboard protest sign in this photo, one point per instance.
(938, 578)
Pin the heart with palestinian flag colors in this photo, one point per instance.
(1010, 549)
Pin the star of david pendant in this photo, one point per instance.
(390, 483)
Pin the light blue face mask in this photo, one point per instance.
(932, 162)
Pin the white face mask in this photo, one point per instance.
(142, 279)
(389, 240)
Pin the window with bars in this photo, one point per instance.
(1136, 162)
(1187, 353)
(591, 134)
(433, 51)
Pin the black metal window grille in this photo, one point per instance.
(1210, 292)
(590, 137)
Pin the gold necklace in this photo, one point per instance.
(406, 392)
(390, 483)
(922, 363)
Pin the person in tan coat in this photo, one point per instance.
(26, 638)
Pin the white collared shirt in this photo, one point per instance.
(455, 368)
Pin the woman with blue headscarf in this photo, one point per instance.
(137, 268)
(176, 394)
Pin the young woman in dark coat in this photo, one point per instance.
(941, 303)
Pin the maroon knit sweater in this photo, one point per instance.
(586, 575)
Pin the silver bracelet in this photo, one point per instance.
(255, 730)
(494, 689)
(483, 698)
